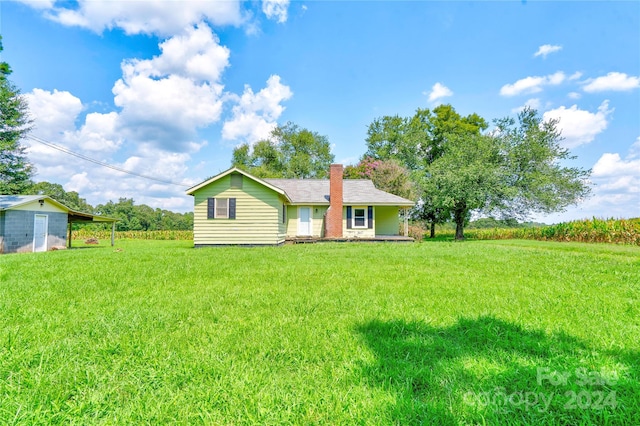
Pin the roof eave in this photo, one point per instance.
(201, 185)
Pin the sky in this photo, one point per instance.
(167, 89)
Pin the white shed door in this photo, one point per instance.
(40, 231)
(304, 221)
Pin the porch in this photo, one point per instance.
(376, 239)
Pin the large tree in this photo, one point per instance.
(516, 170)
(15, 169)
(289, 152)
(416, 142)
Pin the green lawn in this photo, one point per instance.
(481, 332)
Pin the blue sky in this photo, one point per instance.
(167, 89)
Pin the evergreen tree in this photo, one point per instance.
(15, 169)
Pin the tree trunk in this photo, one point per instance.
(459, 216)
(432, 234)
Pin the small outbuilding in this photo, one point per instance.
(34, 223)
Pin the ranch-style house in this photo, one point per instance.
(236, 208)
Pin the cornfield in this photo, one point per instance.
(83, 234)
(616, 231)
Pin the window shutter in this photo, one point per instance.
(232, 208)
(349, 217)
(370, 217)
(211, 208)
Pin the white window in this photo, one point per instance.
(222, 208)
(359, 218)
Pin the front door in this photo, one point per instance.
(40, 231)
(304, 221)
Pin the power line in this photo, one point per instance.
(100, 163)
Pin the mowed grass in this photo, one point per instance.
(481, 332)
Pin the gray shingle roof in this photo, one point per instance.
(355, 191)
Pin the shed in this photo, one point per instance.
(34, 223)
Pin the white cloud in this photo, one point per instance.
(611, 164)
(634, 151)
(614, 81)
(439, 91)
(546, 49)
(53, 112)
(574, 95)
(533, 84)
(578, 126)
(165, 99)
(615, 190)
(617, 180)
(533, 103)
(255, 114)
(576, 75)
(141, 16)
(276, 9)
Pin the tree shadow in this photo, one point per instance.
(488, 371)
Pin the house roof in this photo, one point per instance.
(316, 191)
(264, 182)
(8, 202)
(354, 191)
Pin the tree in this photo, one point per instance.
(290, 152)
(15, 169)
(418, 141)
(387, 175)
(515, 171)
(56, 191)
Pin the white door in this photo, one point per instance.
(304, 221)
(40, 231)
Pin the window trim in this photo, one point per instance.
(364, 216)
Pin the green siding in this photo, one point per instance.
(387, 220)
(358, 232)
(258, 215)
(317, 220)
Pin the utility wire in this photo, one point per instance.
(100, 163)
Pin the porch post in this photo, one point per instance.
(406, 222)
(113, 233)
(69, 237)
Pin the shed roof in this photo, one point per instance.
(8, 202)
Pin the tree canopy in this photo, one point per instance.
(416, 142)
(15, 169)
(289, 152)
(514, 171)
(387, 175)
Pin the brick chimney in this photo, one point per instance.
(333, 219)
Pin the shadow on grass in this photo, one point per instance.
(488, 371)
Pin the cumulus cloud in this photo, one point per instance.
(255, 114)
(615, 190)
(546, 49)
(533, 84)
(53, 112)
(533, 103)
(438, 91)
(578, 126)
(276, 9)
(613, 81)
(141, 16)
(165, 99)
(617, 182)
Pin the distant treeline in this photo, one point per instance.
(131, 217)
